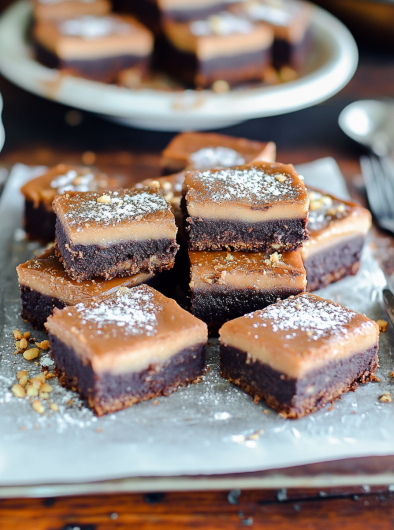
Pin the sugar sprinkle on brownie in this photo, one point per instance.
(211, 157)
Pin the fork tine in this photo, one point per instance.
(369, 180)
(381, 185)
(387, 166)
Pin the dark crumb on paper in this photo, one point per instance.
(391, 374)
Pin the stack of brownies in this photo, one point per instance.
(243, 220)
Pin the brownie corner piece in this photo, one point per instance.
(117, 233)
(299, 354)
(256, 207)
(131, 346)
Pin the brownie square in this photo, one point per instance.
(97, 48)
(191, 150)
(290, 22)
(45, 285)
(337, 231)
(226, 285)
(299, 354)
(128, 347)
(116, 233)
(222, 47)
(263, 206)
(39, 193)
(64, 9)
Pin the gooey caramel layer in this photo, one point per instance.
(46, 275)
(63, 9)
(239, 270)
(301, 334)
(127, 331)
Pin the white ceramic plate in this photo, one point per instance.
(332, 64)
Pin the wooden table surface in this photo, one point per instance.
(43, 132)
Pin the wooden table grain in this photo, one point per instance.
(43, 132)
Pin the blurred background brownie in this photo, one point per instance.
(222, 47)
(299, 354)
(39, 193)
(247, 208)
(116, 233)
(45, 285)
(128, 347)
(337, 231)
(226, 285)
(64, 9)
(96, 48)
(193, 150)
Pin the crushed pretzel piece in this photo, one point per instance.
(382, 325)
(44, 345)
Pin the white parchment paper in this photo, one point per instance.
(209, 428)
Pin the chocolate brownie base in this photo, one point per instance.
(217, 306)
(109, 392)
(185, 15)
(286, 53)
(37, 307)
(104, 69)
(235, 69)
(226, 234)
(39, 223)
(85, 262)
(292, 397)
(334, 263)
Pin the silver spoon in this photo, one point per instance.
(370, 123)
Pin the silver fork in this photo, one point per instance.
(378, 174)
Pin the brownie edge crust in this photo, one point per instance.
(84, 262)
(111, 392)
(293, 397)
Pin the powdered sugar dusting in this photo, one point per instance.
(317, 318)
(73, 180)
(252, 184)
(121, 206)
(224, 23)
(91, 27)
(214, 157)
(133, 311)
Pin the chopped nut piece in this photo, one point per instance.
(18, 391)
(229, 257)
(281, 178)
(54, 407)
(167, 186)
(386, 397)
(275, 257)
(46, 388)
(331, 211)
(266, 411)
(38, 407)
(382, 325)
(105, 199)
(298, 307)
(155, 402)
(17, 334)
(341, 208)
(315, 205)
(43, 395)
(44, 345)
(23, 380)
(26, 335)
(391, 374)
(21, 373)
(155, 184)
(191, 284)
(21, 344)
(49, 376)
(169, 196)
(326, 200)
(31, 354)
(220, 86)
(32, 391)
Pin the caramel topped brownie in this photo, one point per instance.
(97, 48)
(226, 285)
(337, 231)
(116, 233)
(133, 345)
(40, 192)
(299, 354)
(222, 47)
(64, 9)
(252, 207)
(193, 150)
(290, 21)
(45, 285)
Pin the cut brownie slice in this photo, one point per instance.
(337, 231)
(128, 347)
(191, 150)
(222, 47)
(39, 193)
(250, 208)
(227, 285)
(290, 21)
(299, 354)
(96, 48)
(45, 285)
(64, 9)
(116, 233)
